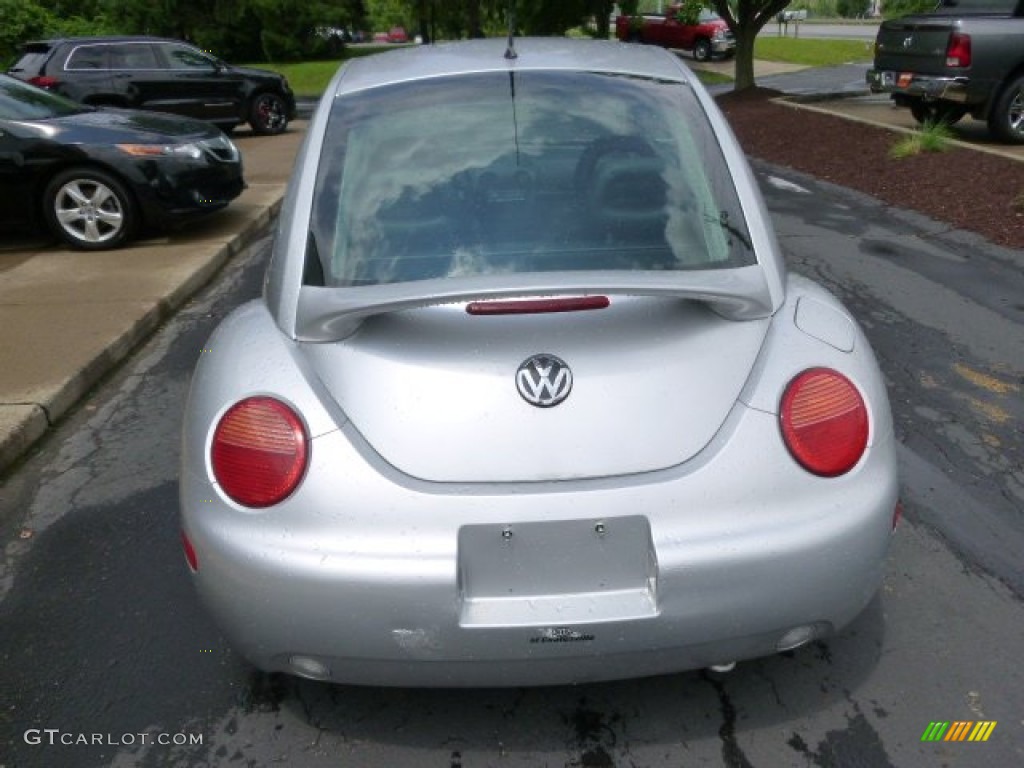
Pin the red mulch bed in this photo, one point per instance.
(966, 188)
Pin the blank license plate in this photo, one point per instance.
(570, 570)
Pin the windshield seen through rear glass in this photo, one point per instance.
(531, 171)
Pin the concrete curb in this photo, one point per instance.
(808, 104)
(20, 427)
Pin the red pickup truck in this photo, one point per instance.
(710, 36)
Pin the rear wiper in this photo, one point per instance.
(723, 221)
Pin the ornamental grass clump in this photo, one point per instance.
(930, 137)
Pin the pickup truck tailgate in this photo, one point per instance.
(913, 45)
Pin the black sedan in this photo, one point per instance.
(96, 177)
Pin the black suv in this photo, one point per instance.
(158, 74)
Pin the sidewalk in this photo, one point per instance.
(728, 66)
(67, 318)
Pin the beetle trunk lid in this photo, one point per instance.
(444, 396)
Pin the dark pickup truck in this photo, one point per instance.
(966, 57)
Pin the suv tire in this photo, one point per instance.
(268, 114)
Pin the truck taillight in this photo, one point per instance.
(958, 52)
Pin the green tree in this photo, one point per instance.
(746, 18)
(852, 9)
(892, 9)
(689, 11)
(384, 14)
(22, 20)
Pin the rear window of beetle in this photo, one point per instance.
(522, 172)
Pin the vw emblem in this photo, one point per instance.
(544, 380)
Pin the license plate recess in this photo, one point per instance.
(557, 572)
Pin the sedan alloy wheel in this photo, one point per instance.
(89, 209)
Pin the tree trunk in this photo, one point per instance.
(745, 21)
(423, 19)
(473, 19)
(602, 19)
(744, 77)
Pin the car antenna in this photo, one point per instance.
(510, 51)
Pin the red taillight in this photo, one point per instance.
(958, 52)
(43, 81)
(190, 553)
(259, 452)
(824, 422)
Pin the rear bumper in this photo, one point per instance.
(170, 198)
(723, 45)
(924, 87)
(392, 581)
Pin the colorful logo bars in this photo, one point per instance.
(959, 730)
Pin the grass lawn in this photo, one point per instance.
(813, 53)
(309, 78)
(712, 78)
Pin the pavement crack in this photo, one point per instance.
(732, 755)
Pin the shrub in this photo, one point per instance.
(278, 47)
(689, 11)
(852, 9)
(21, 21)
(930, 137)
(893, 9)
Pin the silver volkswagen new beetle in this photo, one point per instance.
(530, 397)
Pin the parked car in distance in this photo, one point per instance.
(965, 57)
(96, 176)
(530, 397)
(709, 37)
(158, 74)
(398, 35)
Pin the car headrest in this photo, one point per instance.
(628, 189)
